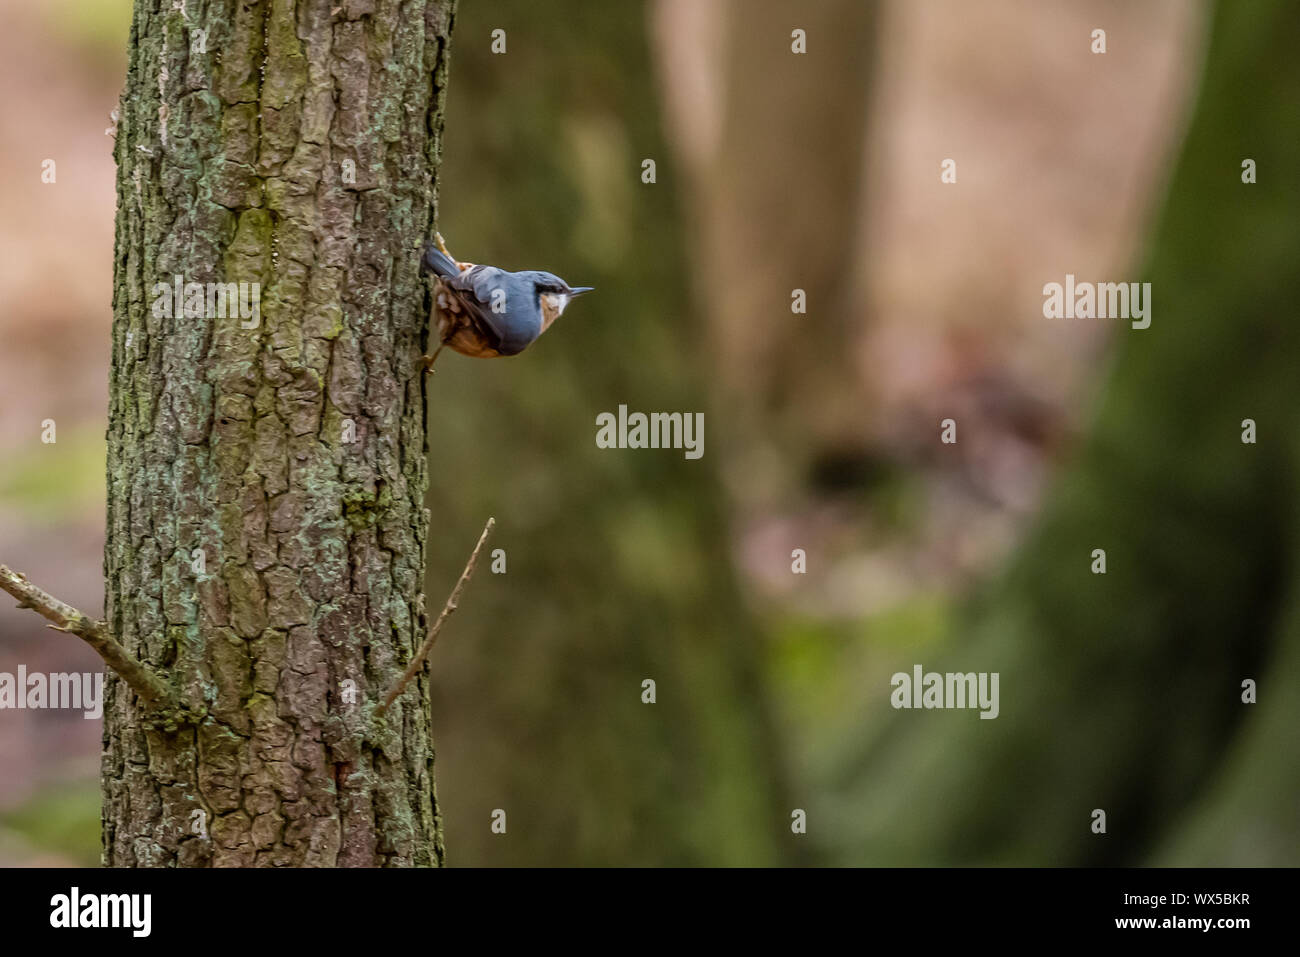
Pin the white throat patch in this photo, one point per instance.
(553, 304)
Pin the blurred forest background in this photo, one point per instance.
(778, 171)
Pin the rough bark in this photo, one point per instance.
(231, 150)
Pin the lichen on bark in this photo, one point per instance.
(294, 145)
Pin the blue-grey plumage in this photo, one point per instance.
(483, 311)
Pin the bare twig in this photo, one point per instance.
(453, 600)
(143, 682)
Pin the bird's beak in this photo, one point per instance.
(578, 291)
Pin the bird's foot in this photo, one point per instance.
(428, 361)
(442, 244)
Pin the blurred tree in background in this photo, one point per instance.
(617, 562)
(1123, 691)
(775, 179)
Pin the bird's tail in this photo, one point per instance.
(439, 263)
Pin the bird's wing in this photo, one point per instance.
(475, 287)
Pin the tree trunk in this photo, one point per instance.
(266, 522)
(794, 397)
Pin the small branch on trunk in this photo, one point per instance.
(453, 601)
(151, 689)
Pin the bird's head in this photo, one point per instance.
(553, 294)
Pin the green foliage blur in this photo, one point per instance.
(618, 568)
(95, 28)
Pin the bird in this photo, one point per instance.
(484, 312)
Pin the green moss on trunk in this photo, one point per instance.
(293, 145)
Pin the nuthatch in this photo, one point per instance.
(483, 311)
